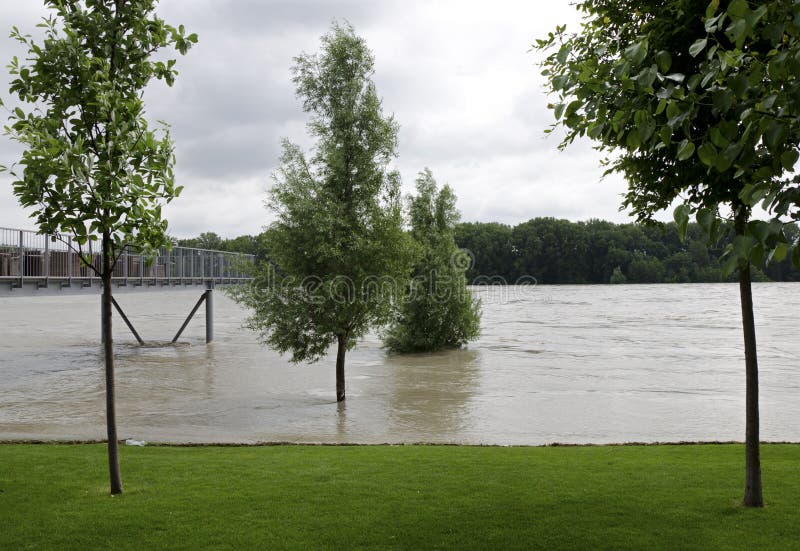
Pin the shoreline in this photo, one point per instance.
(390, 444)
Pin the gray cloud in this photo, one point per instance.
(458, 76)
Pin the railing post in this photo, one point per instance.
(46, 260)
(21, 257)
(209, 311)
(70, 254)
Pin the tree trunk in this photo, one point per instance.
(340, 352)
(108, 353)
(752, 489)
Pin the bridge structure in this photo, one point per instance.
(38, 264)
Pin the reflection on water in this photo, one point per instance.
(429, 395)
(561, 363)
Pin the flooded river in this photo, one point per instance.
(573, 364)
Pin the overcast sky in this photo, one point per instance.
(458, 76)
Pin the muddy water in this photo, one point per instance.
(554, 364)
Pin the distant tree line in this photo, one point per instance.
(246, 244)
(560, 251)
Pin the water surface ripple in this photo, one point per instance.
(573, 364)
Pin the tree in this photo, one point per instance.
(207, 240)
(698, 104)
(491, 246)
(438, 311)
(92, 167)
(337, 248)
(617, 276)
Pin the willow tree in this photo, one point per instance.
(337, 248)
(92, 167)
(697, 105)
(438, 311)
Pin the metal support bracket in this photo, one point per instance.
(206, 296)
(126, 320)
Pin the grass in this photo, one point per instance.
(396, 497)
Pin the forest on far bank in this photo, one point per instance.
(561, 251)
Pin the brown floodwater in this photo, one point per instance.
(572, 364)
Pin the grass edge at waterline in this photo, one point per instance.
(466, 497)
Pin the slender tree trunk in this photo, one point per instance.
(752, 489)
(340, 352)
(108, 353)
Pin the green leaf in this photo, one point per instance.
(636, 52)
(595, 130)
(633, 139)
(779, 252)
(774, 135)
(717, 138)
(712, 8)
(698, 46)
(738, 9)
(722, 99)
(756, 15)
(743, 246)
(563, 53)
(731, 264)
(681, 216)
(736, 32)
(727, 157)
(757, 255)
(760, 230)
(685, 150)
(665, 133)
(705, 218)
(707, 154)
(739, 85)
(789, 159)
(664, 61)
(647, 77)
(708, 77)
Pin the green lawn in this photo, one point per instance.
(406, 497)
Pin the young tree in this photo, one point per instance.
(206, 240)
(698, 103)
(337, 248)
(439, 311)
(91, 166)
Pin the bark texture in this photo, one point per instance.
(752, 489)
(108, 353)
(340, 353)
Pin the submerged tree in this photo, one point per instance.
(439, 311)
(337, 249)
(698, 102)
(92, 167)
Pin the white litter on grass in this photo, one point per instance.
(132, 442)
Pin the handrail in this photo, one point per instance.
(26, 254)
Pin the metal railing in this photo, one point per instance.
(27, 255)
